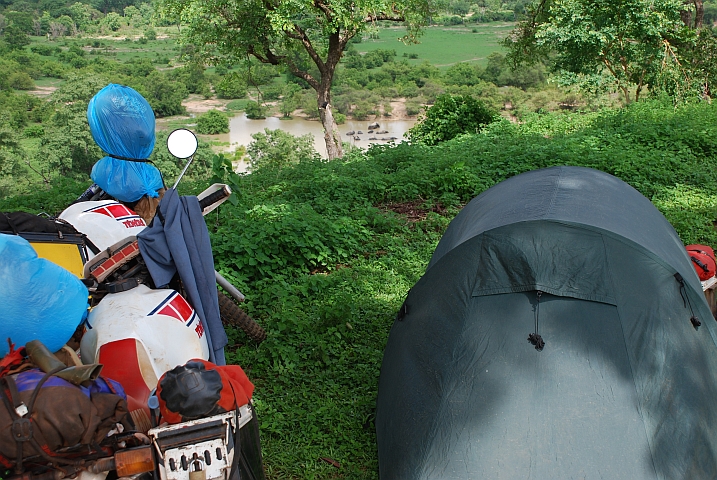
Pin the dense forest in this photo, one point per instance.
(326, 251)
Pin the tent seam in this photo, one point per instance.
(554, 194)
(442, 407)
(627, 355)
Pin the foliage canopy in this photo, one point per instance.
(628, 41)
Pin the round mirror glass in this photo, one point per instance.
(182, 143)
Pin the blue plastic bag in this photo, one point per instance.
(122, 124)
(41, 300)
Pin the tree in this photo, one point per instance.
(277, 148)
(625, 39)
(290, 99)
(212, 123)
(16, 38)
(113, 21)
(67, 146)
(449, 117)
(254, 110)
(231, 87)
(284, 32)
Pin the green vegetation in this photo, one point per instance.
(450, 116)
(442, 46)
(325, 252)
(212, 123)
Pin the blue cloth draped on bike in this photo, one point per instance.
(122, 124)
(177, 240)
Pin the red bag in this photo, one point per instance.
(201, 389)
(703, 259)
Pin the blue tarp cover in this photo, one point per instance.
(41, 300)
(122, 124)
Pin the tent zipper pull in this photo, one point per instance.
(535, 337)
(686, 301)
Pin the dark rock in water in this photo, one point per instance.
(372, 138)
(370, 131)
(360, 132)
(382, 132)
(357, 137)
(393, 138)
(374, 126)
(350, 133)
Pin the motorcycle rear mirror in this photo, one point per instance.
(182, 143)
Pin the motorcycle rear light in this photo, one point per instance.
(133, 461)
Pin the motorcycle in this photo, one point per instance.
(139, 332)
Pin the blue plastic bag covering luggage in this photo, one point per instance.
(122, 124)
(40, 300)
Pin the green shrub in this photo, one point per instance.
(277, 149)
(44, 49)
(339, 118)
(212, 123)
(449, 117)
(254, 110)
(231, 87)
(34, 131)
(20, 81)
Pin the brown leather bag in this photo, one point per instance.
(41, 413)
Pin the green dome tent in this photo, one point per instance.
(625, 385)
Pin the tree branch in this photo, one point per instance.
(325, 9)
(383, 16)
(304, 39)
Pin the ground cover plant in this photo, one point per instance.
(326, 251)
(442, 46)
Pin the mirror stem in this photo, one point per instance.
(183, 172)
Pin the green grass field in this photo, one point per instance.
(443, 46)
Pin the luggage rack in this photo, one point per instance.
(205, 445)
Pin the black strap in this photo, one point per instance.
(128, 159)
(535, 337)
(686, 301)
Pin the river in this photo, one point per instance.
(241, 129)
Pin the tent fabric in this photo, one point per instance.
(625, 384)
(122, 123)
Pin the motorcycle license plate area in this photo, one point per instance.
(200, 449)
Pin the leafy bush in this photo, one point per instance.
(277, 149)
(44, 49)
(450, 116)
(254, 110)
(231, 86)
(212, 123)
(20, 81)
(164, 95)
(34, 131)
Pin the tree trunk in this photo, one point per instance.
(699, 13)
(331, 130)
